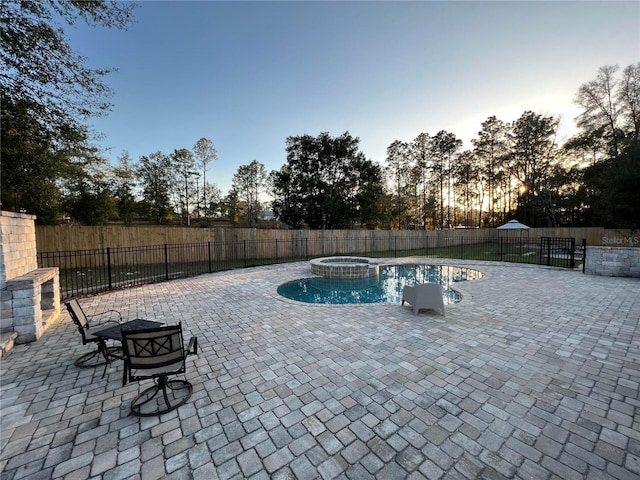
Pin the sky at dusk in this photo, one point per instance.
(247, 75)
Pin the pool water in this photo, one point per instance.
(386, 287)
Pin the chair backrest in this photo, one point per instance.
(153, 352)
(429, 289)
(424, 295)
(429, 295)
(78, 316)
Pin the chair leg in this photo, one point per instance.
(85, 361)
(102, 355)
(179, 391)
(109, 354)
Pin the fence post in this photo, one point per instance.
(166, 262)
(461, 247)
(276, 250)
(572, 261)
(500, 246)
(584, 254)
(541, 250)
(549, 253)
(209, 256)
(244, 252)
(306, 247)
(395, 246)
(109, 266)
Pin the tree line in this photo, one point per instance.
(51, 168)
(514, 169)
(520, 169)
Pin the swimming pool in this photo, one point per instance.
(386, 287)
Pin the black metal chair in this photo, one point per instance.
(157, 354)
(86, 325)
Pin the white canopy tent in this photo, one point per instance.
(521, 233)
(513, 225)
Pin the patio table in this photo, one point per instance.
(115, 333)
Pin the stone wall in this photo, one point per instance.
(18, 254)
(29, 296)
(613, 261)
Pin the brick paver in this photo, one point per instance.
(535, 374)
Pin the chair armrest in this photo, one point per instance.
(408, 294)
(192, 348)
(104, 313)
(94, 325)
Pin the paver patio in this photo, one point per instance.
(534, 375)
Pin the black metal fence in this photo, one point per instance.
(557, 252)
(89, 271)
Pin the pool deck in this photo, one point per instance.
(534, 375)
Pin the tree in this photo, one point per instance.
(124, 184)
(589, 144)
(597, 99)
(611, 190)
(324, 183)
(368, 193)
(47, 94)
(491, 148)
(610, 117)
(88, 193)
(214, 198)
(205, 152)
(628, 96)
(568, 196)
(184, 163)
(249, 181)
(398, 170)
(444, 146)
(534, 153)
(421, 157)
(467, 181)
(158, 180)
(93, 202)
(610, 132)
(40, 67)
(370, 197)
(30, 165)
(231, 207)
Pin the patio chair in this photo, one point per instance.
(86, 325)
(424, 296)
(157, 354)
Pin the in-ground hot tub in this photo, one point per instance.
(344, 267)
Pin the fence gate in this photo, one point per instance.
(557, 252)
